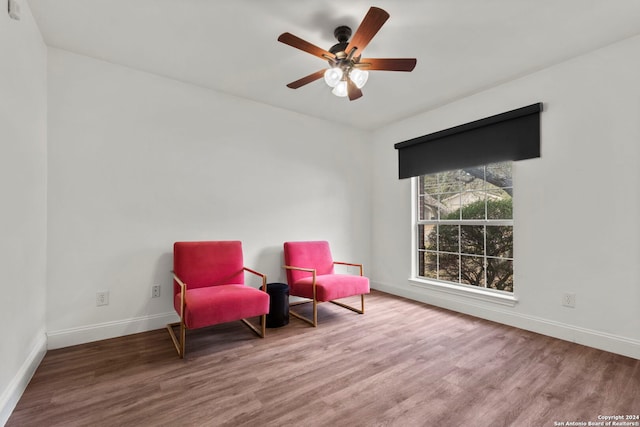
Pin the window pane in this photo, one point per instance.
(420, 237)
(428, 205)
(472, 270)
(499, 174)
(430, 184)
(450, 206)
(499, 205)
(451, 181)
(472, 239)
(500, 274)
(500, 241)
(428, 239)
(473, 179)
(448, 238)
(473, 205)
(429, 265)
(428, 197)
(449, 267)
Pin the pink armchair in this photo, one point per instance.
(310, 274)
(208, 288)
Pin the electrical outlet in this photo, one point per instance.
(102, 298)
(155, 291)
(569, 300)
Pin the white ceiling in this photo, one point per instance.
(462, 46)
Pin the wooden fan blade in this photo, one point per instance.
(387, 64)
(298, 43)
(352, 90)
(308, 79)
(370, 25)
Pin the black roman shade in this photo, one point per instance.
(514, 135)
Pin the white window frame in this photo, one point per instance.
(456, 289)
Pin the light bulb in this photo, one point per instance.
(340, 89)
(359, 77)
(333, 76)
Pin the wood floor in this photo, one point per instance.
(403, 363)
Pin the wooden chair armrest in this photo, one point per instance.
(290, 267)
(309, 270)
(182, 285)
(347, 263)
(351, 264)
(264, 278)
(183, 289)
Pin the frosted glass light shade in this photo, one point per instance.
(359, 77)
(333, 76)
(340, 89)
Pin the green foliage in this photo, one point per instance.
(469, 240)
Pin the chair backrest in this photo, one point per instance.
(209, 263)
(314, 254)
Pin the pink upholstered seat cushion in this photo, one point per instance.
(331, 286)
(219, 304)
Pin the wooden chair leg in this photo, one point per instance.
(183, 340)
(314, 321)
(263, 323)
(179, 344)
(359, 311)
(315, 313)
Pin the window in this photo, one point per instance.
(464, 226)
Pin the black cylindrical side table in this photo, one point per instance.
(278, 305)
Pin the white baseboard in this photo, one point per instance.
(589, 337)
(103, 331)
(11, 395)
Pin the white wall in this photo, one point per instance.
(576, 209)
(137, 161)
(23, 217)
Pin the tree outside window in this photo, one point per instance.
(465, 226)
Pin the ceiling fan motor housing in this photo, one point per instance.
(342, 34)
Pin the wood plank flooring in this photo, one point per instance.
(403, 363)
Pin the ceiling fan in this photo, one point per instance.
(348, 71)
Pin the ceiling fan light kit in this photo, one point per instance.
(340, 89)
(333, 76)
(359, 77)
(348, 72)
